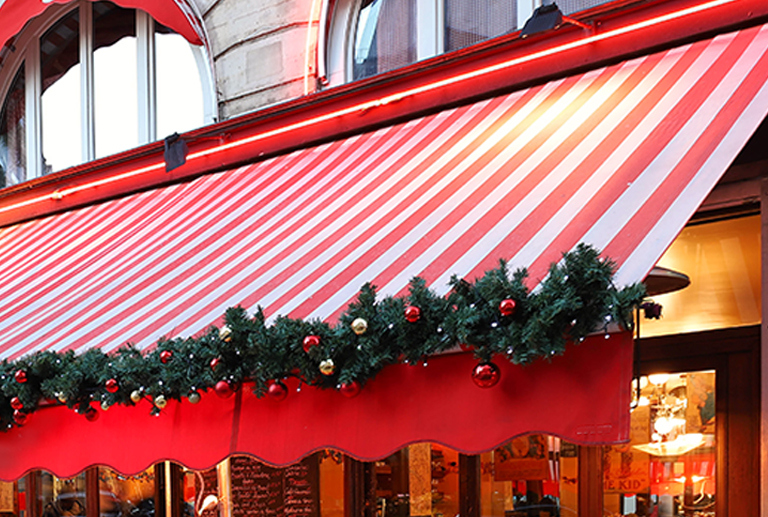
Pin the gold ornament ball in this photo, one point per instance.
(194, 397)
(104, 405)
(225, 334)
(160, 401)
(359, 326)
(61, 398)
(327, 367)
(135, 396)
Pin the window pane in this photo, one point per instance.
(421, 479)
(179, 88)
(668, 467)
(572, 6)
(60, 72)
(331, 472)
(722, 260)
(57, 497)
(470, 21)
(13, 149)
(530, 475)
(115, 82)
(385, 36)
(126, 496)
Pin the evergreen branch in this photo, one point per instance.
(495, 315)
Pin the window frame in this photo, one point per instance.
(430, 32)
(26, 52)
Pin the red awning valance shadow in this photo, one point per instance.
(176, 14)
(582, 397)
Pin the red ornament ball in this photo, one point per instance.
(16, 403)
(165, 356)
(486, 375)
(91, 414)
(277, 390)
(223, 389)
(311, 341)
(20, 376)
(20, 417)
(112, 386)
(507, 307)
(350, 389)
(215, 362)
(412, 314)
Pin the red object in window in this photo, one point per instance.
(189, 488)
(582, 396)
(22, 501)
(176, 14)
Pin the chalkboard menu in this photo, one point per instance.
(259, 490)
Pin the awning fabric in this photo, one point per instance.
(619, 158)
(176, 14)
(404, 404)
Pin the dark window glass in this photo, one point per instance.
(572, 6)
(385, 36)
(470, 21)
(13, 150)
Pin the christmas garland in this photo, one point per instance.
(495, 316)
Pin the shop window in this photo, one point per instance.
(11, 503)
(722, 260)
(369, 37)
(58, 497)
(126, 496)
(668, 467)
(90, 79)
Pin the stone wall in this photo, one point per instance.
(259, 51)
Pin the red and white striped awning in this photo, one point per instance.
(618, 157)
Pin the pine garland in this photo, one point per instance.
(575, 299)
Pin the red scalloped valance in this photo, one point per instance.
(582, 397)
(176, 14)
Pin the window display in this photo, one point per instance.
(126, 496)
(60, 497)
(668, 467)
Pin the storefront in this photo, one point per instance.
(292, 210)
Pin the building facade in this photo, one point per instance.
(163, 161)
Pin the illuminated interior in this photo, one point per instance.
(722, 260)
(668, 467)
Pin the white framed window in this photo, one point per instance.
(368, 37)
(90, 79)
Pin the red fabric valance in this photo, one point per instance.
(176, 14)
(582, 397)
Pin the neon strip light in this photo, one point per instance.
(463, 77)
(59, 194)
(383, 100)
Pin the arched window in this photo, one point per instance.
(90, 79)
(369, 37)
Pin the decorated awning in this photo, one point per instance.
(618, 158)
(176, 14)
